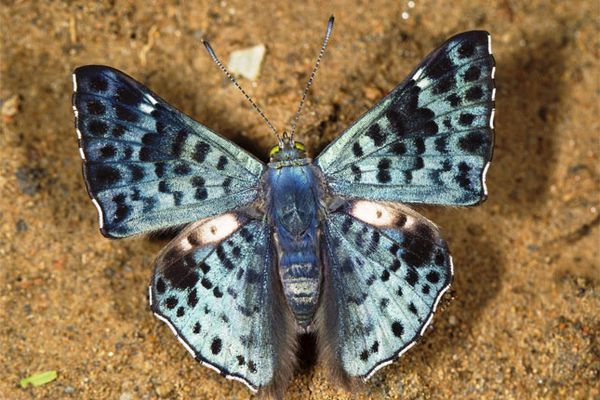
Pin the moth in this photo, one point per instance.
(325, 245)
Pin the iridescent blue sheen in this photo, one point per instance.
(293, 201)
(324, 246)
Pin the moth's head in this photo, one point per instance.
(288, 151)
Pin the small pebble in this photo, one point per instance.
(126, 396)
(21, 226)
(29, 179)
(247, 62)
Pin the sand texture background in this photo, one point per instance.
(522, 318)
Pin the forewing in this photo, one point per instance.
(147, 165)
(215, 286)
(430, 140)
(386, 268)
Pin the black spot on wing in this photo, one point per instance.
(137, 173)
(445, 85)
(159, 169)
(160, 286)
(192, 298)
(118, 130)
(179, 142)
(357, 150)
(252, 276)
(200, 152)
(225, 261)
(396, 122)
(411, 277)
(474, 93)
(181, 274)
(108, 151)
(125, 114)
(397, 329)
(440, 67)
(246, 235)
(215, 346)
(347, 224)
(466, 49)
(171, 302)
(182, 169)
(97, 128)
(383, 170)
(98, 83)
(472, 74)
(454, 100)
(463, 176)
(433, 277)
(222, 163)
(419, 145)
(466, 119)
(419, 163)
(128, 96)
(206, 283)
(425, 289)
(95, 107)
(163, 187)
(197, 328)
(122, 210)
(385, 275)
(198, 183)
(440, 258)
(418, 245)
(106, 175)
(472, 142)
(440, 144)
(398, 148)
(356, 172)
(377, 135)
(430, 128)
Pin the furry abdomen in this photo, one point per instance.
(293, 203)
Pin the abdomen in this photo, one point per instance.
(300, 274)
(293, 204)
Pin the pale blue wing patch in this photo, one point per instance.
(214, 285)
(386, 268)
(430, 140)
(148, 166)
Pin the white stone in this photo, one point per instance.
(247, 62)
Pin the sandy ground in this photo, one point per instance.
(522, 319)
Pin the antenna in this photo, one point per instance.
(212, 54)
(312, 77)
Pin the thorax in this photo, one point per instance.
(293, 196)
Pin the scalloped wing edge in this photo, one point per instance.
(197, 357)
(414, 341)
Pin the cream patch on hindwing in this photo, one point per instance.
(216, 229)
(373, 213)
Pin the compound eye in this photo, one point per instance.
(274, 150)
(299, 146)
